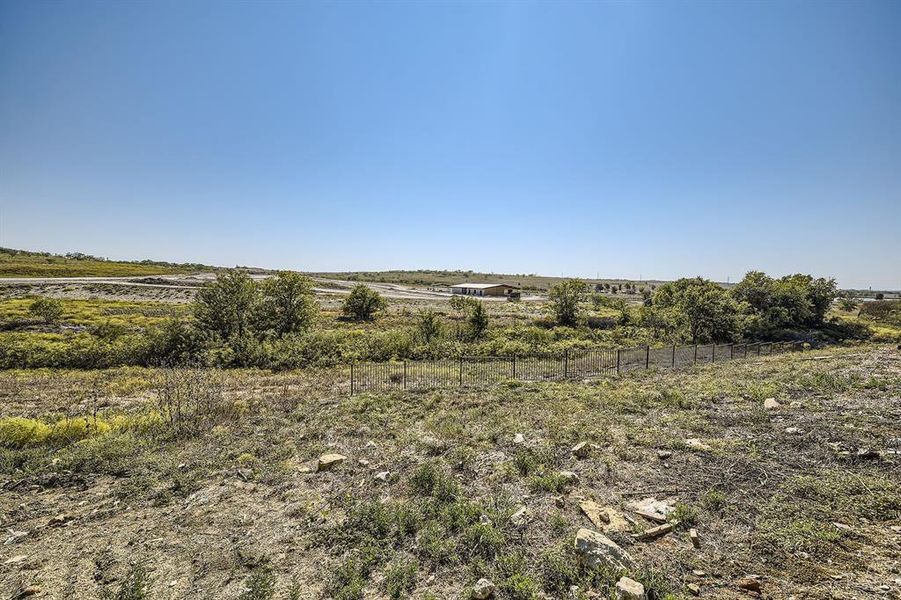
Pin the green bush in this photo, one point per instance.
(362, 303)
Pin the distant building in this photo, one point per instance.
(482, 289)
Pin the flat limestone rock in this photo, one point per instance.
(596, 549)
(653, 509)
(327, 462)
(629, 589)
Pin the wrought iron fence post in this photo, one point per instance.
(694, 360)
(731, 351)
(674, 356)
(461, 370)
(514, 366)
(351, 378)
(647, 357)
(565, 363)
(617, 361)
(405, 374)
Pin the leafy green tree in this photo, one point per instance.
(429, 326)
(566, 298)
(791, 301)
(477, 320)
(287, 304)
(48, 310)
(226, 306)
(362, 303)
(708, 311)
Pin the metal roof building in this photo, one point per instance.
(482, 289)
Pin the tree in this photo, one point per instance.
(428, 324)
(707, 310)
(566, 298)
(362, 303)
(48, 310)
(287, 304)
(477, 320)
(791, 301)
(225, 307)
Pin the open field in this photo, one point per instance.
(806, 496)
(21, 263)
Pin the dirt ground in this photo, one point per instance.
(804, 498)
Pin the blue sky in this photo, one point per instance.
(627, 139)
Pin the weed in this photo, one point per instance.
(400, 578)
(134, 586)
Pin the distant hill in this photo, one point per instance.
(23, 263)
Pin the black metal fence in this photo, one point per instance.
(484, 370)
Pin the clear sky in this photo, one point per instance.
(627, 139)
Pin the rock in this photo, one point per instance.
(31, 590)
(895, 528)
(794, 430)
(841, 526)
(595, 513)
(520, 517)
(581, 450)
(60, 519)
(483, 589)
(596, 549)
(664, 454)
(382, 475)
(867, 453)
(655, 532)
(363, 462)
(697, 444)
(560, 501)
(518, 439)
(698, 573)
(304, 469)
(370, 445)
(14, 536)
(569, 477)
(484, 520)
(771, 404)
(651, 508)
(15, 560)
(629, 589)
(694, 589)
(693, 536)
(750, 583)
(329, 461)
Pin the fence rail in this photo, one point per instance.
(486, 370)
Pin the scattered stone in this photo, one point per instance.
(483, 589)
(694, 589)
(581, 450)
(382, 475)
(31, 590)
(15, 560)
(794, 430)
(895, 528)
(245, 474)
(519, 439)
(698, 573)
(569, 477)
(751, 583)
(771, 404)
(695, 540)
(596, 549)
(841, 526)
(664, 454)
(651, 508)
(595, 513)
(520, 517)
(14, 536)
(60, 519)
(329, 461)
(867, 453)
(698, 444)
(629, 589)
(560, 501)
(655, 532)
(484, 520)
(304, 469)
(370, 445)
(363, 462)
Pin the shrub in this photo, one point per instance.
(566, 298)
(429, 326)
(224, 307)
(287, 304)
(400, 578)
(362, 303)
(477, 321)
(134, 586)
(259, 586)
(709, 312)
(48, 310)
(19, 432)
